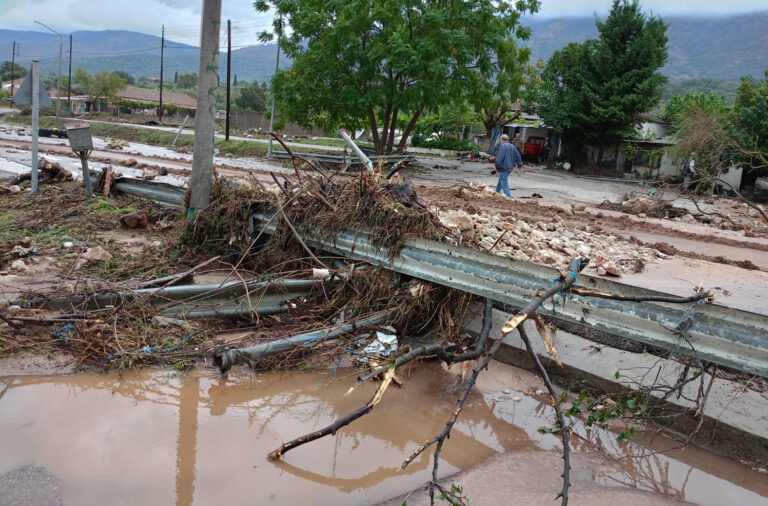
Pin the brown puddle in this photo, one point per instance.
(152, 437)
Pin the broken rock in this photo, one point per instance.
(19, 266)
(136, 219)
(97, 254)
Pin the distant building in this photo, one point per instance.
(12, 86)
(152, 97)
(153, 79)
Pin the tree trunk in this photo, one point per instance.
(374, 129)
(408, 129)
(385, 132)
(599, 157)
(392, 128)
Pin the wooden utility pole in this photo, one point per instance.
(207, 87)
(162, 50)
(229, 64)
(69, 79)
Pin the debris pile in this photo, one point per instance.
(550, 243)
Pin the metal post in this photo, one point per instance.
(86, 173)
(277, 66)
(35, 121)
(173, 144)
(366, 161)
(69, 79)
(162, 53)
(58, 81)
(208, 83)
(13, 63)
(229, 64)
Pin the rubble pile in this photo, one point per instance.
(550, 243)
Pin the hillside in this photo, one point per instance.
(721, 48)
(134, 52)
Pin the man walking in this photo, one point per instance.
(506, 160)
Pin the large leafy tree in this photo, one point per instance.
(594, 91)
(750, 119)
(252, 97)
(372, 62)
(99, 85)
(5, 71)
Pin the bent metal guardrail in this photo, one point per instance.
(719, 334)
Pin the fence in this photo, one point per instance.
(243, 120)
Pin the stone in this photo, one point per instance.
(96, 254)
(19, 266)
(541, 225)
(14, 188)
(20, 251)
(164, 321)
(601, 271)
(556, 243)
(67, 244)
(162, 226)
(584, 250)
(517, 399)
(578, 207)
(136, 219)
(551, 227)
(524, 227)
(487, 242)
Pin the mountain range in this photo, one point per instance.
(721, 48)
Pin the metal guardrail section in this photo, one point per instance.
(199, 301)
(340, 159)
(726, 336)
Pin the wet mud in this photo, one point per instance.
(154, 437)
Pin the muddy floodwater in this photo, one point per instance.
(154, 437)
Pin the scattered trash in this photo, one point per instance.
(383, 345)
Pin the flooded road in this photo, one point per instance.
(152, 437)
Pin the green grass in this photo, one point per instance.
(153, 137)
(101, 205)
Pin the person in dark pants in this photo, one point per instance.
(506, 160)
(545, 148)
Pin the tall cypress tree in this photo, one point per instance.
(594, 91)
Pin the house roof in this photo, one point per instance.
(153, 96)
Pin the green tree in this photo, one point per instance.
(251, 98)
(593, 92)
(750, 119)
(103, 84)
(128, 78)
(234, 83)
(679, 107)
(176, 77)
(372, 62)
(5, 71)
(188, 81)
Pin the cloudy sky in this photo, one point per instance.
(182, 17)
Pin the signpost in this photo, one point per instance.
(81, 142)
(32, 93)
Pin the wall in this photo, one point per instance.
(243, 120)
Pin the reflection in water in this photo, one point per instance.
(186, 445)
(132, 436)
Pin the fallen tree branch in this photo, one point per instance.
(298, 238)
(565, 279)
(341, 422)
(564, 430)
(586, 292)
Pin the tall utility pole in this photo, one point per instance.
(277, 66)
(229, 64)
(162, 51)
(58, 81)
(207, 86)
(35, 121)
(13, 63)
(69, 79)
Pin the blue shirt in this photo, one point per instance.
(508, 157)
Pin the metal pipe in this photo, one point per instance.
(225, 358)
(366, 161)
